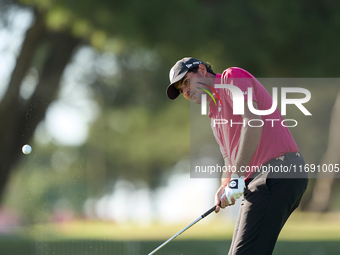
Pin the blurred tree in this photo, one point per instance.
(323, 192)
(20, 117)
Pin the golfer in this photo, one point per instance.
(260, 149)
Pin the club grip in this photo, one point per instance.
(209, 211)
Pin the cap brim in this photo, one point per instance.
(171, 91)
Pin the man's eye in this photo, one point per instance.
(186, 82)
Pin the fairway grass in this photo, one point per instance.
(300, 227)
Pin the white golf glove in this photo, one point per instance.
(234, 188)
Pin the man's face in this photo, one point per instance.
(189, 87)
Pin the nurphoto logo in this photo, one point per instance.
(237, 96)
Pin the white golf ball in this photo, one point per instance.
(26, 149)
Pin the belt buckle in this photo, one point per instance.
(282, 158)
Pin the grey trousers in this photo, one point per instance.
(268, 200)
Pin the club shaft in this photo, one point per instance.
(173, 237)
(184, 229)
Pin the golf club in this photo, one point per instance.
(184, 229)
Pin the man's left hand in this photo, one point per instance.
(233, 190)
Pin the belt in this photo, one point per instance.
(284, 157)
(287, 156)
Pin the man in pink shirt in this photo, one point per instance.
(257, 147)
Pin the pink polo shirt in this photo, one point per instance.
(276, 139)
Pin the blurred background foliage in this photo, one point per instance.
(134, 132)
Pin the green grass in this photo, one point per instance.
(183, 247)
(310, 234)
(300, 227)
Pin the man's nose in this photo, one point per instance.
(186, 91)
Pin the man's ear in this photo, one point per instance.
(202, 69)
